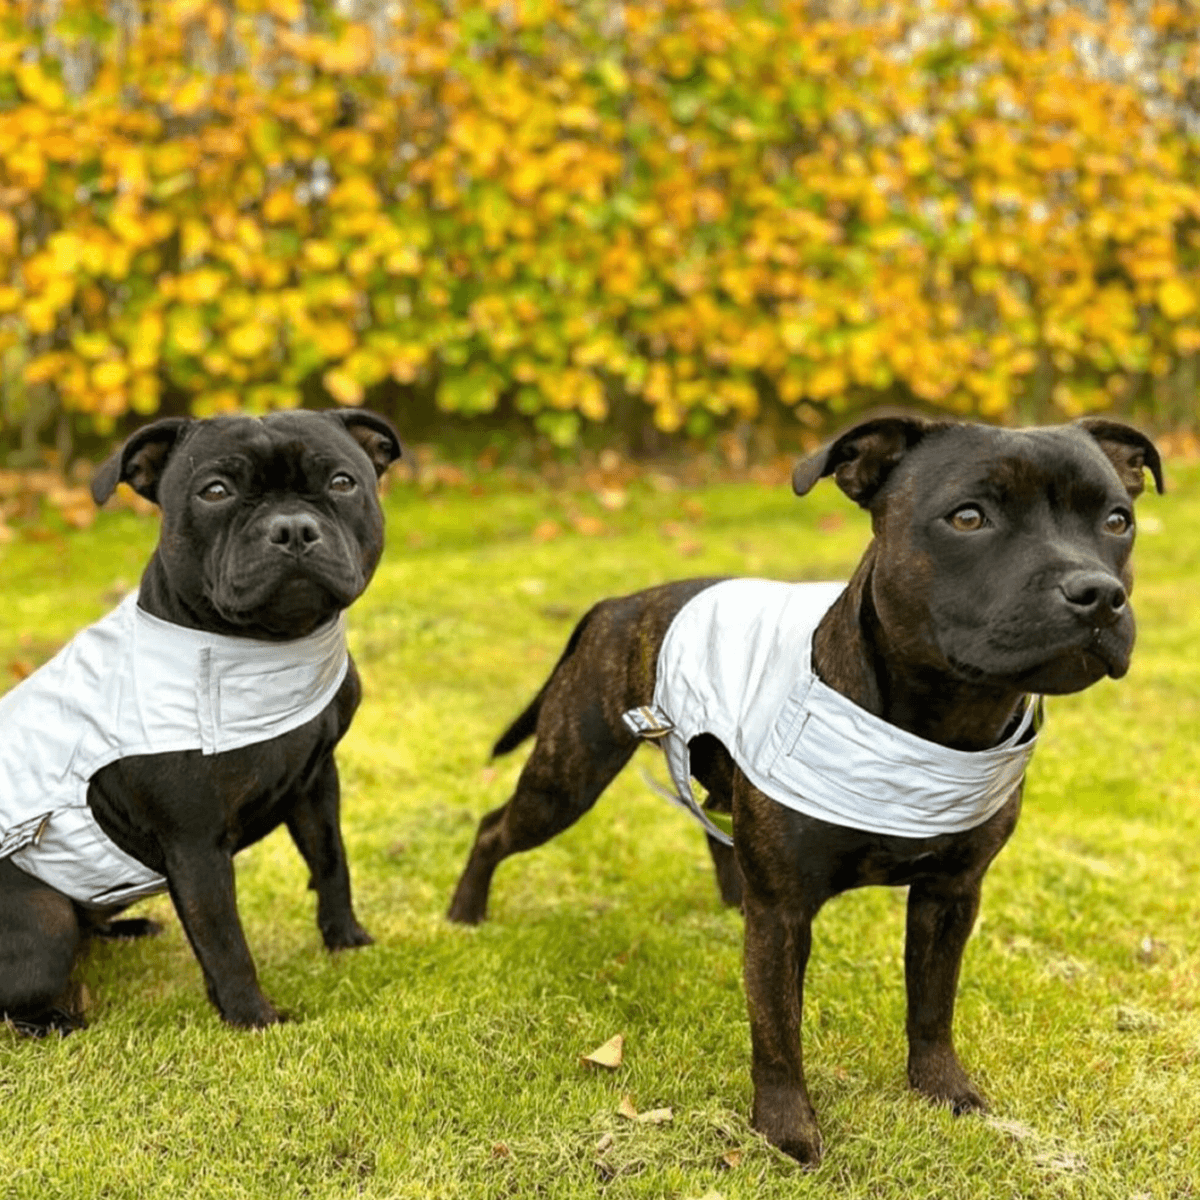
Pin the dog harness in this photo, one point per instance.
(736, 663)
(135, 684)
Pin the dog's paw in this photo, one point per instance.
(59, 1021)
(939, 1075)
(790, 1125)
(347, 937)
(257, 1014)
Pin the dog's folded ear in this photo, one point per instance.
(373, 433)
(1129, 450)
(862, 458)
(140, 461)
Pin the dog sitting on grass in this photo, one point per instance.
(200, 714)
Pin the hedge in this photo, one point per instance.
(692, 206)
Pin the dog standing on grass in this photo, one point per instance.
(875, 732)
(201, 713)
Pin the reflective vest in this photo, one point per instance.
(134, 684)
(736, 663)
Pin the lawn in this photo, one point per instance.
(445, 1061)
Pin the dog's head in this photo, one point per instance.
(1000, 556)
(270, 525)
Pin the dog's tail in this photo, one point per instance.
(526, 724)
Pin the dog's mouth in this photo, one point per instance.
(285, 606)
(1070, 669)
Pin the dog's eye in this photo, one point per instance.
(967, 519)
(214, 491)
(1117, 523)
(342, 482)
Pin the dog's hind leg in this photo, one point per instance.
(39, 938)
(559, 783)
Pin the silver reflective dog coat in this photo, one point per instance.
(736, 663)
(135, 684)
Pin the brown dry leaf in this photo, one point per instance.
(546, 531)
(610, 1055)
(693, 508)
(732, 1159)
(689, 547)
(613, 499)
(75, 505)
(830, 522)
(451, 476)
(6, 534)
(588, 526)
(20, 668)
(128, 498)
(626, 1109)
(604, 1143)
(671, 529)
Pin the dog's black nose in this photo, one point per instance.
(1094, 596)
(293, 532)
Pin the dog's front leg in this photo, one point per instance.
(777, 947)
(202, 887)
(315, 828)
(941, 915)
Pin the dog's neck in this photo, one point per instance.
(157, 597)
(853, 655)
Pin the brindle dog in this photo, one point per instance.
(999, 569)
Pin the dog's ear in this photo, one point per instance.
(140, 461)
(1128, 450)
(862, 458)
(373, 433)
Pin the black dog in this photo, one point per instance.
(214, 720)
(999, 570)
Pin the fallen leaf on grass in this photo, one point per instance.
(19, 668)
(588, 526)
(604, 1143)
(610, 1055)
(546, 531)
(689, 547)
(656, 1116)
(732, 1158)
(612, 499)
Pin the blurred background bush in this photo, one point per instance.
(643, 219)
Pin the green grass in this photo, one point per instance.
(446, 1062)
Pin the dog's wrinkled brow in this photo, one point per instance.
(1065, 485)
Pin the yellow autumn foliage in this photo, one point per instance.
(980, 204)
